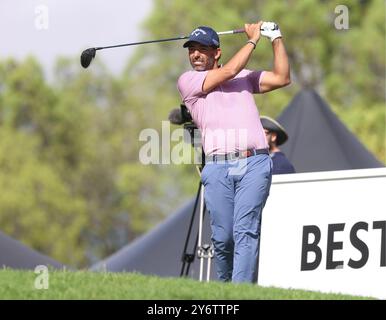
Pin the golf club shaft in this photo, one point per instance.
(89, 54)
(231, 32)
(141, 42)
(164, 40)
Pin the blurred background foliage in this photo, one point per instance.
(71, 184)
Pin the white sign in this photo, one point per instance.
(326, 231)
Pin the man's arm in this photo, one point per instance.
(280, 75)
(217, 76)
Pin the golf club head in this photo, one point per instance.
(87, 56)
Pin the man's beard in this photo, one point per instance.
(202, 67)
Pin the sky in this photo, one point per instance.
(51, 28)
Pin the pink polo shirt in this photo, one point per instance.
(227, 116)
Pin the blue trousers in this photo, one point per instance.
(235, 195)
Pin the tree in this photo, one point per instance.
(36, 207)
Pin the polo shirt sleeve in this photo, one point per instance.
(190, 86)
(255, 78)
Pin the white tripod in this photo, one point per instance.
(204, 251)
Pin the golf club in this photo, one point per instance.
(89, 54)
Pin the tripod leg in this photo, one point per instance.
(209, 262)
(200, 230)
(201, 268)
(197, 236)
(188, 258)
(209, 256)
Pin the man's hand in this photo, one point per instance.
(270, 30)
(253, 31)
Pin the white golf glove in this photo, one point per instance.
(270, 30)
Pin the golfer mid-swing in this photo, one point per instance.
(238, 170)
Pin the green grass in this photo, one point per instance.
(133, 286)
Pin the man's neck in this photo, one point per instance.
(274, 149)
